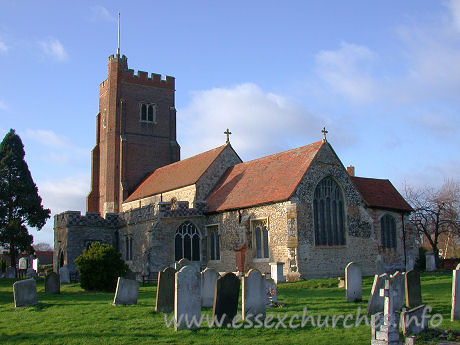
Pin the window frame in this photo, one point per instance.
(266, 225)
(208, 242)
(200, 238)
(148, 106)
(129, 256)
(392, 232)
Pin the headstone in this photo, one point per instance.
(430, 262)
(10, 273)
(410, 264)
(52, 284)
(126, 292)
(165, 291)
(388, 332)
(376, 301)
(413, 321)
(455, 312)
(381, 268)
(341, 282)
(413, 289)
(35, 263)
(271, 292)
(226, 299)
(182, 263)
(64, 275)
(353, 282)
(25, 293)
(187, 298)
(22, 263)
(398, 282)
(208, 286)
(31, 273)
(276, 270)
(254, 296)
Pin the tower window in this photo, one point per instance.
(148, 112)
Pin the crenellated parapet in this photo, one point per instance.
(181, 209)
(139, 215)
(91, 219)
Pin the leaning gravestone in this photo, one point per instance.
(353, 282)
(430, 262)
(31, 273)
(270, 291)
(64, 275)
(455, 312)
(10, 273)
(187, 298)
(25, 293)
(126, 293)
(413, 289)
(376, 302)
(208, 286)
(381, 268)
(254, 296)
(398, 282)
(52, 284)
(165, 291)
(182, 263)
(226, 300)
(413, 321)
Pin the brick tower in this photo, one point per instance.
(135, 133)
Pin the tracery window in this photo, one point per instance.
(187, 242)
(148, 112)
(388, 231)
(213, 242)
(260, 231)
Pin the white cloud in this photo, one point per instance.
(3, 105)
(261, 122)
(348, 71)
(54, 49)
(454, 6)
(101, 13)
(3, 47)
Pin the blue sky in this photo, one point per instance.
(382, 76)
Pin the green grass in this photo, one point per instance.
(79, 317)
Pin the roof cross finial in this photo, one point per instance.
(227, 132)
(324, 131)
(118, 45)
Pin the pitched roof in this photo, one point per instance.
(264, 180)
(176, 175)
(380, 193)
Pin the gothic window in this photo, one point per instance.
(187, 242)
(213, 242)
(147, 112)
(328, 214)
(260, 231)
(128, 248)
(388, 231)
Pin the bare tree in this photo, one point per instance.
(42, 246)
(436, 212)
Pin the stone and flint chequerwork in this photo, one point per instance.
(300, 208)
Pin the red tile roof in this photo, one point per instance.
(264, 180)
(176, 175)
(380, 193)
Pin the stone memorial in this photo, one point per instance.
(271, 292)
(187, 298)
(226, 300)
(276, 270)
(376, 302)
(341, 284)
(254, 296)
(381, 267)
(25, 293)
(182, 263)
(430, 262)
(31, 273)
(10, 273)
(208, 286)
(455, 312)
(413, 289)
(126, 292)
(22, 263)
(52, 284)
(64, 275)
(398, 282)
(413, 321)
(165, 291)
(353, 282)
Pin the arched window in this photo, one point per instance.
(143, 112)
(328, 210)
(261, 238)
(187, 242)
(388, 231)
(148, 112)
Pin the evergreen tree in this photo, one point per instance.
(20, 203)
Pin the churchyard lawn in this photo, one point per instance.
(79, 317)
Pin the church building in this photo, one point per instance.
(301, 207)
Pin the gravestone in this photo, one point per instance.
(165, 291)
(353, 282)
(430, 262)
(52, 284)
(25, 293)
(381, 268)
(341, 284)
(226, 299)
(254, 296)
(398, 282)
(10, 273)
(376, 301)
(64, 275)
(22, 263)
(208, 286)
(410, 264)
(276, 270)
(126, 292)
(455, 312)
(413, 289)
(271, 292)
(31, 273)
(413, 321)
(187, 298)
(182, 263)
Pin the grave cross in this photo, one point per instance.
(227, 132)
(324, 131)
